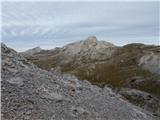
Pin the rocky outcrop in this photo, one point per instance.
(89, 49)
(151, 62)
(32, 51)
(30, 93)
(143, 99)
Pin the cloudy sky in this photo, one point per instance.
(52, 24)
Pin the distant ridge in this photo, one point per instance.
(32, 51)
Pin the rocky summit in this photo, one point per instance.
(32, 51)
(84, 50)
(30, 93)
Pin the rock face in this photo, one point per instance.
(91, 41)
(151, 62)
(30, 93)
(89, 49)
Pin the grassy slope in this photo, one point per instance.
(118, 70)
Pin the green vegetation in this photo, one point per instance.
(118, 76)
(118, 70)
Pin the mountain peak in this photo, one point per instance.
(91, 41)
(38, 48)
(91, 38)
(32, 51)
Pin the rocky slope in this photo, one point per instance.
(30, 93)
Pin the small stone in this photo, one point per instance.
(53, 96)
(16, 80)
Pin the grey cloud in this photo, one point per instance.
(64, 22)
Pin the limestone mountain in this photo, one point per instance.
(79, 52)
(131, 67)
(30, 93)
(90, 48)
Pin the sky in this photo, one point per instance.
(53, 24)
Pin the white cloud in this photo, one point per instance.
(76, 20)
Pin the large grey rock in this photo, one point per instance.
(151, 62)
(16, 80)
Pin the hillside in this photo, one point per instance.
(30, 93)
(132, 67)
